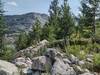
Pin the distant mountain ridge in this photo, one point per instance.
(24, 22)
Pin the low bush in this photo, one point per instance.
(7, 53)
(96, 61)
(77, 50)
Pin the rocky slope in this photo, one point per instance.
(52, 61)
(23, 22)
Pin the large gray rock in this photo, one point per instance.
(23, 62)
(24, 65)
(38, 63)
(41, 63)
(44, 63)
(7, 68)
(60, 68)
(51, 53)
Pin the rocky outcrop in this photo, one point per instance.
(60, 68)
(52, 62)
(23, 62)
(7, 68)
(24, 65)
(41, 63)
(31, 51)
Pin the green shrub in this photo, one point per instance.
(82, 55)
(7, 53)
(73, 50)
(96, 47)
(96, 60)
(88, 48)
(77, 50)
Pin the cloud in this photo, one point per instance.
(12, 3)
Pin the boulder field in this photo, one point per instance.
(52, 62)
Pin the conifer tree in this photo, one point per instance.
(22, 41)
(35, 34)
(2, 24)
(61, 23)
(89, 12)
(54, 19)
(48, 32)
(2, 28)
(67, 21)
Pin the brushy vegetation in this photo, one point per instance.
(96, 61)
(78, 50)
(7, 52)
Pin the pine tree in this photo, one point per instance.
(89, 13)
(2, 24)
(67, 21)
(2, 28)
(22, 41)
(48, 32)
(61, 22)
(8, 52)
(35, 34)
(54, 19)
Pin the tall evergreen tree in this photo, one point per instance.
(35, 34)
(2, 26)
(89, 12)
(22, 41)
(61, 22)
(67, 21)
(54, 18)
(48, 32)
